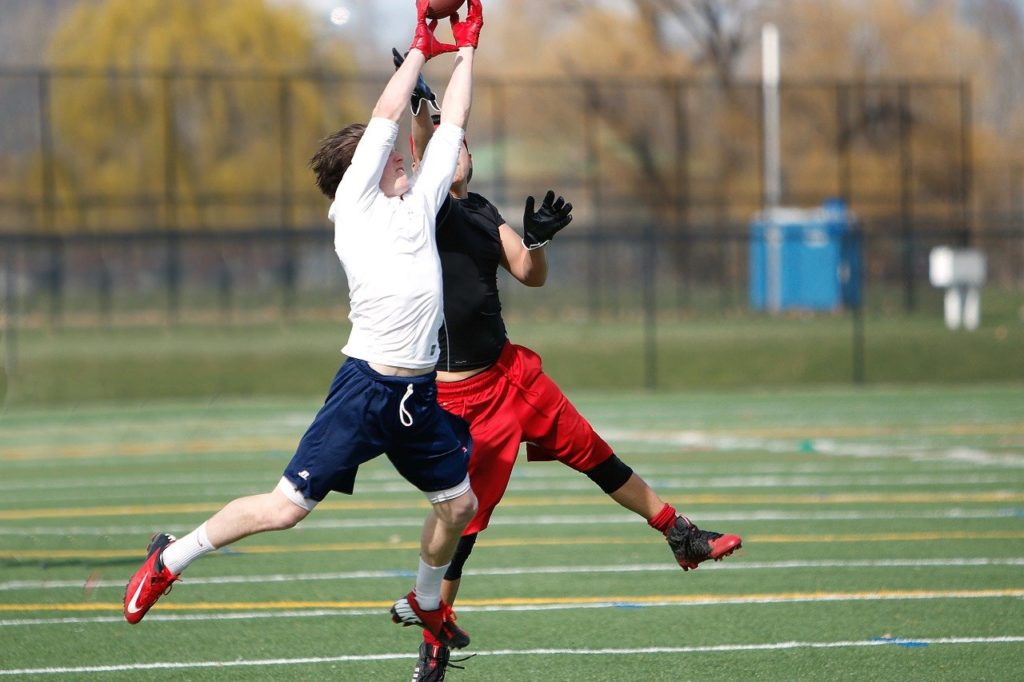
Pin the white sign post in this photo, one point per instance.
(962, 273)
(770, 76)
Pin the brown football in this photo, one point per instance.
(439, 9)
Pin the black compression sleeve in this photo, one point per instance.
(462, 552)
(610, 474)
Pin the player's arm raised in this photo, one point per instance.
(438, 166)
(423, 105)
(422, 131)
(424, 46)
(458, 97)
(524, 258)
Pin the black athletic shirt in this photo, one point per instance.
(469, 244)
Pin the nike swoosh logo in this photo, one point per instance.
(133, 605)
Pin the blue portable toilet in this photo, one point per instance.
(805, 259)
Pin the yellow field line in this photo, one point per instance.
(999, 496)
(148, 449)
(541, 601)
(865, 431)
(924, 536)
(287, 444)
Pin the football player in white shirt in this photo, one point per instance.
(383, 399)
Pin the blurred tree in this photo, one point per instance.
(712, 34)
(881, 43)
(641, 40)
(183, 104)
(639, 127)
(25, 27)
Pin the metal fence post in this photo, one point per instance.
(844, 140)
(11, 309)
(56, 279)
(904, 125)
(650, 307)
(682, 189)
(593, 181)
(290, 265)
(966, 159)
(225, 285)
(172, 270)
(105, 292)
(46, 149)
(856, 246)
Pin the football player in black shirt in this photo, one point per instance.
(500, 388)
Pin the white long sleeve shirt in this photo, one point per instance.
(388, 249)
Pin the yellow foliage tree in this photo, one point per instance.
(206, 111)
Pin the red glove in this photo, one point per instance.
(467, 33)
(424, 39)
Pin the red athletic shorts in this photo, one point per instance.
(510, 403)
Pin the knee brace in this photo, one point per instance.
(610, 475)
(462, 552)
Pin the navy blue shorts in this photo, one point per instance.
(367, 414)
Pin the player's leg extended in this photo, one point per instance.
(559, 431)
(482, 401)
(435, 657)
(435, 459)
(689, 544)
(424, 606)
(166, 558)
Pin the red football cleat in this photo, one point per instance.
(440, 622)
(691, 545)
(150, 582)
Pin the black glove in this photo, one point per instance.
(421, 92)
(540, 226)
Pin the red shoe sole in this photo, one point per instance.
(722, 547)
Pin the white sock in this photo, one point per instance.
(428, 585)
(180, 553)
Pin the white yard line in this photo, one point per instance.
(551, 520)
(718, 648)
(811, 564)
(702, 440)
(667, 468)
(220, 491)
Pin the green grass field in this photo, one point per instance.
(883, 540)
(298, 358)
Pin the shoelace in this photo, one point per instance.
(451, 662)
(170, 585)
(403, 414)
(153, 579)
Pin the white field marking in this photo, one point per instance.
(723, 441)
(956, 454)
(713, 648)
(114, 492)
(728, 482)
(719, 441)
(548, 520)
(334, 612)
(72, 482)
(828, 467)
(951, 563)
